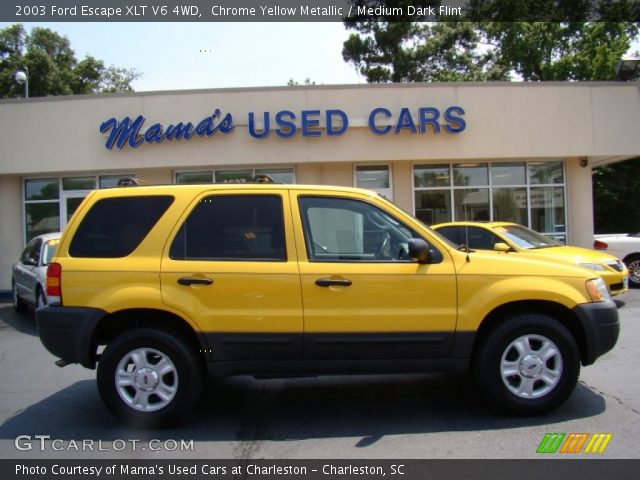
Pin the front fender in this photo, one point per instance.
(479, 295)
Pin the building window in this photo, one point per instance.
(376, 178)
(194, 177)
(49, 203)
(279, 175)
(528, 193)
(42, 206)
(110, 181)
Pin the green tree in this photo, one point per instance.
(560, 41)
(53, 67)
(615, 195)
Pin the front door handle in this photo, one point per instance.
(329, 282)
(194, 281)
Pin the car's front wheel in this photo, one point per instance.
(633, 265)
(529, 364)
(150, 377)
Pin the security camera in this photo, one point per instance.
(21, 77)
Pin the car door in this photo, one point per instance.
(232, 268)
(363, 297)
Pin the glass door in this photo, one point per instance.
(70, 202)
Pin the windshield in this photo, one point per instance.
(49, 250)
(525, 238)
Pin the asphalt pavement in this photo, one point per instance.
(52, 412)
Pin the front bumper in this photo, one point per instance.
(601, 328)
(67, 332)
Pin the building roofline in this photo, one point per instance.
(348, 86)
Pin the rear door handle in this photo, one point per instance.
(329, 282)
(194, 281)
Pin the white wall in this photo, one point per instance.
(11, 236)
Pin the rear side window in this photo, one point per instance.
(114, 227)
(233, 227)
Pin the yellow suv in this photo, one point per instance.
(159, 286)
(511, 237)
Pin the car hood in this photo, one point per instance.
(571, 254)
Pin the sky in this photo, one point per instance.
(183, 56)
(179, 56)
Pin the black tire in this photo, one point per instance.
(528, 365)
(633, 264)
(182, 385)
(41, 298)
(18, 304)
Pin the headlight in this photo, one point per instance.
(598, 290)
(592, 266)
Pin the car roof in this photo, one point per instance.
(487, 225)
(49, 236)
(205, 187)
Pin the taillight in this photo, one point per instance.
(54, 282)
(599, 245)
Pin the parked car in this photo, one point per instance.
(626, 247)
(159, 286)
(29, 273)
(513, 237)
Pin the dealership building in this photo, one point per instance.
(521, 152)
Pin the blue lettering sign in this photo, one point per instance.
(252, 129)
(372, 121)
(285, 119)
(286, 124)
(453, 116)
(128, 132)
(308, 123)
(405, 121)
(331, 115)
(429, 116)
(123, 131)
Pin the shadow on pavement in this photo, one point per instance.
(22, 322)
(242, 408)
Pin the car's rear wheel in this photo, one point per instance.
(149, 377)
(41, 298)
(633, 265)
(529, 364)
(18, 303)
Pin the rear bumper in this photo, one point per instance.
(601, 328)
(67, 332)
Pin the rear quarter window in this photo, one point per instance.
(114, 227)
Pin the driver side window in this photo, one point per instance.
(339, 230)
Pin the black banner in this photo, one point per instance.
(318, 10)
(583, 469)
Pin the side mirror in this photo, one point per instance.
(418, 250)
(501, 247)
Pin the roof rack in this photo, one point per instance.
(131, 182)
(263, 178)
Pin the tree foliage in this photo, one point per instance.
(615, 192)
(559, 41)
(53, 67)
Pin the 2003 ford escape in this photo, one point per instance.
(159, 285)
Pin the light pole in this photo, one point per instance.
(22, 77)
